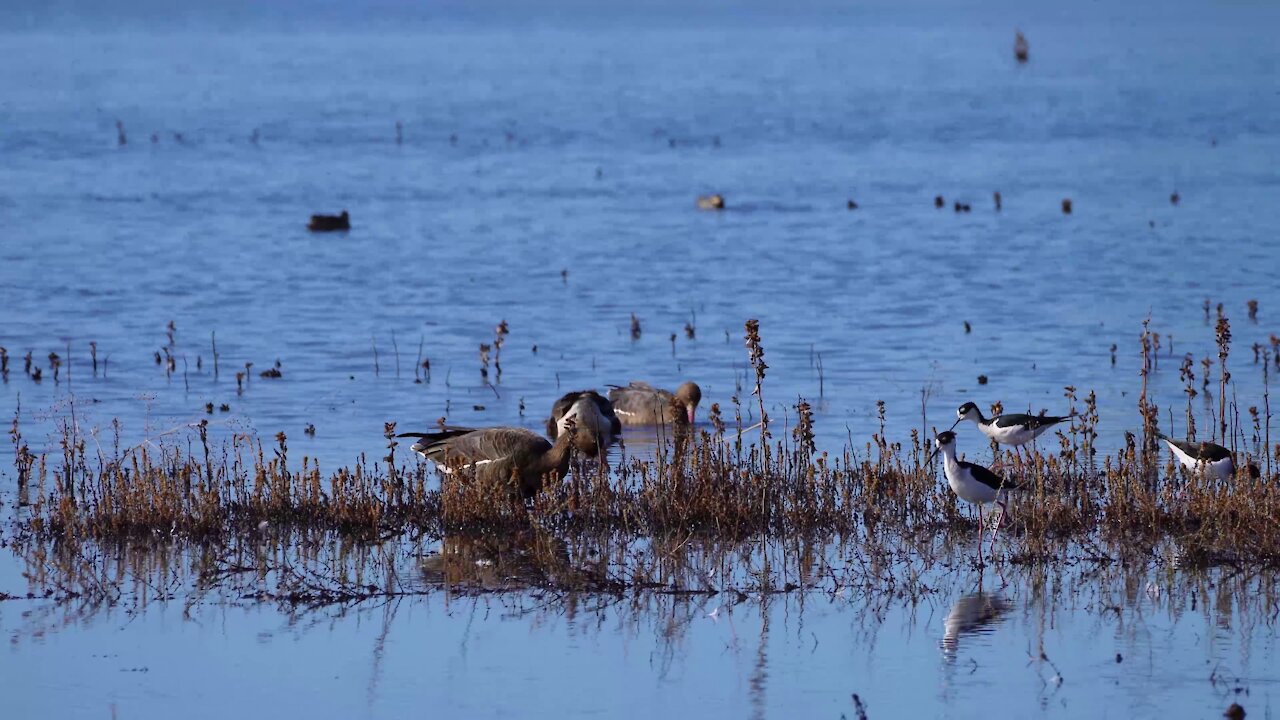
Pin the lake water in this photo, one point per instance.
(576, 138)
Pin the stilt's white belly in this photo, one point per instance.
(1014, 434)
(1219, 469)
(968, 489)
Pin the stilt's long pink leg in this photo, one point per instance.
(980, 524)
(999, 524)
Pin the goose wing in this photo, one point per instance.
(462, 447)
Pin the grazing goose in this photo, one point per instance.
(972, 483)
(1013, 429)
(1215, 459)
(587, 410)
(642, 404)
(329, 223)
(711, 202)
(496, 454)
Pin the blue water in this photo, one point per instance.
(583, 136)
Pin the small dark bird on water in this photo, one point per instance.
(1021, 50)
(998, 199)
(1066, 206)
(120, 136)
(590, 411)
(497, 454)
(1175, 198)
(640, 403)
(938, 202)
(852, 205)
(329, 223)
(711, 202)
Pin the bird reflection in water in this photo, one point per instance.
(977, 613)
(529, 558)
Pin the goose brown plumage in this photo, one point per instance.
(640, 403)
(497, 454)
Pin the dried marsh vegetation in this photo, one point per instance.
(729, 484)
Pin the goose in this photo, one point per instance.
(640, 403)
(587, 410)
(497, 454)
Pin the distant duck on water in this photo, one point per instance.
(711, 202)
(329, 223)
(1021, 50)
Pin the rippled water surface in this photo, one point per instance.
(546, 176)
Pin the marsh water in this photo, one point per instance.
(545, 174)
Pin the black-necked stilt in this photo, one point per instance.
(1215, 459)
(497, 455)
(1013, 429)
(640, 403)
(711, 202)
(586, 410)
(972, 483)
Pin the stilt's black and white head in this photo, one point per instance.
(942, 441)
(967, 411)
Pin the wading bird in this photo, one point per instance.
(586, 410)
(1013, 429)
(972, 483)
(1215, 459)
(640, 403)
